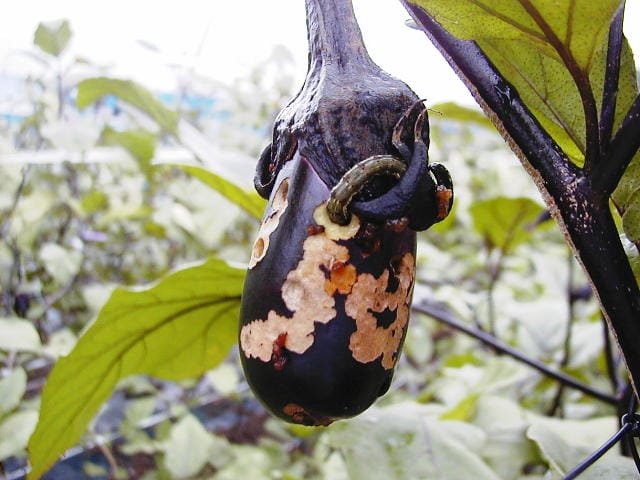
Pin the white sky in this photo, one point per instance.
(223, 39)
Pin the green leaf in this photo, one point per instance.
(464, 409)
(505, 423)
(177, 329)
(94, 201)
(545, 51)
(17, 335)
(627, 194)
(12, 388)
(461, 359)
(139, 409)
(60, 343)
(401, 441)
(250, 202)
(92, 89)
(225, 379)
(626, 198)
(52, 37)
(15, 431)
(504, 222)
(249, 461)
(140, 143)
(562, 443)
(460, 113)
(524, 51)
(189, 448)
(61, 263)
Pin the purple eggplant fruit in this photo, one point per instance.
(328, 291)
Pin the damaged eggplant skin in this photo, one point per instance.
(325, 382)
(325, 307)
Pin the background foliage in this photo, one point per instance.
(91, 199)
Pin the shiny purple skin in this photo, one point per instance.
(325, 382)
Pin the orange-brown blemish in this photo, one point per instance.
(369, 295)
(299, 415)
(279, 352)
(294, 412)
(342, 276)
(314, 229)
(444, 196)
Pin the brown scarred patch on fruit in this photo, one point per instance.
(369, 295)
(279, 352)
(444, 196)
(294, 412)
(314, 229)
(278, 206)
(297, 414)
(303, 295)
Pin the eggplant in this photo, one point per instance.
(327, 295)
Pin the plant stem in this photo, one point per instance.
(494, 269)
(334, 34)
(440, 314)
(15, 272)
(609, 357)
(557, 405)
(113, 465)
(581, 210)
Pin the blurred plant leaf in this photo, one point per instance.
(495, 375)
(250, 461)
(52, 37)
(460, 113)
(189, 448)
(231, 165)
(60, 343)
(250, 202)
(140, 143)
(505, 423)
(177, 329)
(564, 454)
(627, 200)
(504, 222)
(12, 388)
(224, 378)
(401, 441)
(15, 430)
(94, 201)
(61, 263)
(464, 409)
(18, 335)
(92, 89)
